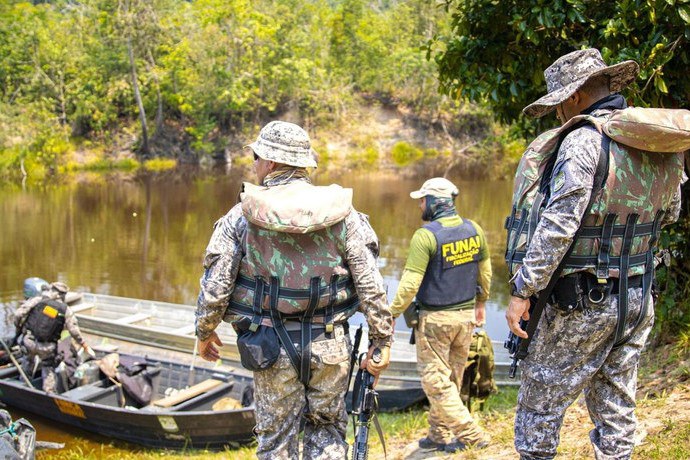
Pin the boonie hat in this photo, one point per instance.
(59, 287)
(285, 143)
(438, 187)
(570, 73)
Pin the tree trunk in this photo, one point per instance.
(140, 103)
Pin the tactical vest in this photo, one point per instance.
(451, 275)
(46, 320)
(622, 227)
(294, 267)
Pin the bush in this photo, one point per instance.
(403, 154)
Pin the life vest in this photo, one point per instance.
(46, 320)
(623, 224)
(451, 275)
(295, 235)
(294, 263)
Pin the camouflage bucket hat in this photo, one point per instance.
(285, 143)
(570, 72)
(59, 287)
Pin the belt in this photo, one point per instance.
(634, 282)
(319, 333)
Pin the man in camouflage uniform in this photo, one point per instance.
(310, 240)
(34, 318)
(583, 348)
(448, 269)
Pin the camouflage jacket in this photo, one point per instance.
(635, 184)
(227, 251)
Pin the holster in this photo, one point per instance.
(411, 315)
(568, 294)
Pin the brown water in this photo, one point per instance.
(144, 236)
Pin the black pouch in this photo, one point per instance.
(258, 350)
(411, 315)
(568, 295)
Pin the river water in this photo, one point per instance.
(144, 235)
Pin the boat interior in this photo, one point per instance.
(171, 387)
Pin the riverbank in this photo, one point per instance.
(663, 412)
(369, 136)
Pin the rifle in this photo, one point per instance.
(364, 405)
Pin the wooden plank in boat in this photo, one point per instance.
(131, 319)
(189, 393)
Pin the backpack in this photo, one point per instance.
(647, 129)
(478, 379)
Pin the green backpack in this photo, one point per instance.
(478, 380)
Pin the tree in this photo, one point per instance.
(498, 49)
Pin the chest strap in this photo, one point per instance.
(300, 359)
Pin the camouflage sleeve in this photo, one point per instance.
(221, 265)
(368, 280)
(371, 240)
(22, 312)
(571, 188)
(73, 327)
(673, 212)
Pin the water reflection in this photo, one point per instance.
(144, 235)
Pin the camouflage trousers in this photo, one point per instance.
(443, 343)
(574, 353)
(46, 353)
(282, 401)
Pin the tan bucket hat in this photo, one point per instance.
(438, 187)
(570, 72)
(285, 143)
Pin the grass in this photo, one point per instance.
(663, 412)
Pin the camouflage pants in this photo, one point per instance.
(281, 402)
(574, 353)
(46, 352)
(443, 343)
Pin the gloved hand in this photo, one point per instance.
(377, 359)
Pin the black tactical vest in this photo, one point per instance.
(451, 276)
(46, 320)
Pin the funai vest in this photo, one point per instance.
(46, 320)
(451, 275)
(294, 253)
(621, 229)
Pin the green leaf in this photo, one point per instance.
(684, 12)
(660, 84)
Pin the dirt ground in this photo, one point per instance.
(663, 431)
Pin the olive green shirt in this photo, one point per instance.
(422, 249)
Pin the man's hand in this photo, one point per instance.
(518, 308)
(377, 360)
(208, 349)
(89, 351)
(480, 313)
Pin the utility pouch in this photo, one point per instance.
(411, 315)
(259, 349)
(568, 295)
